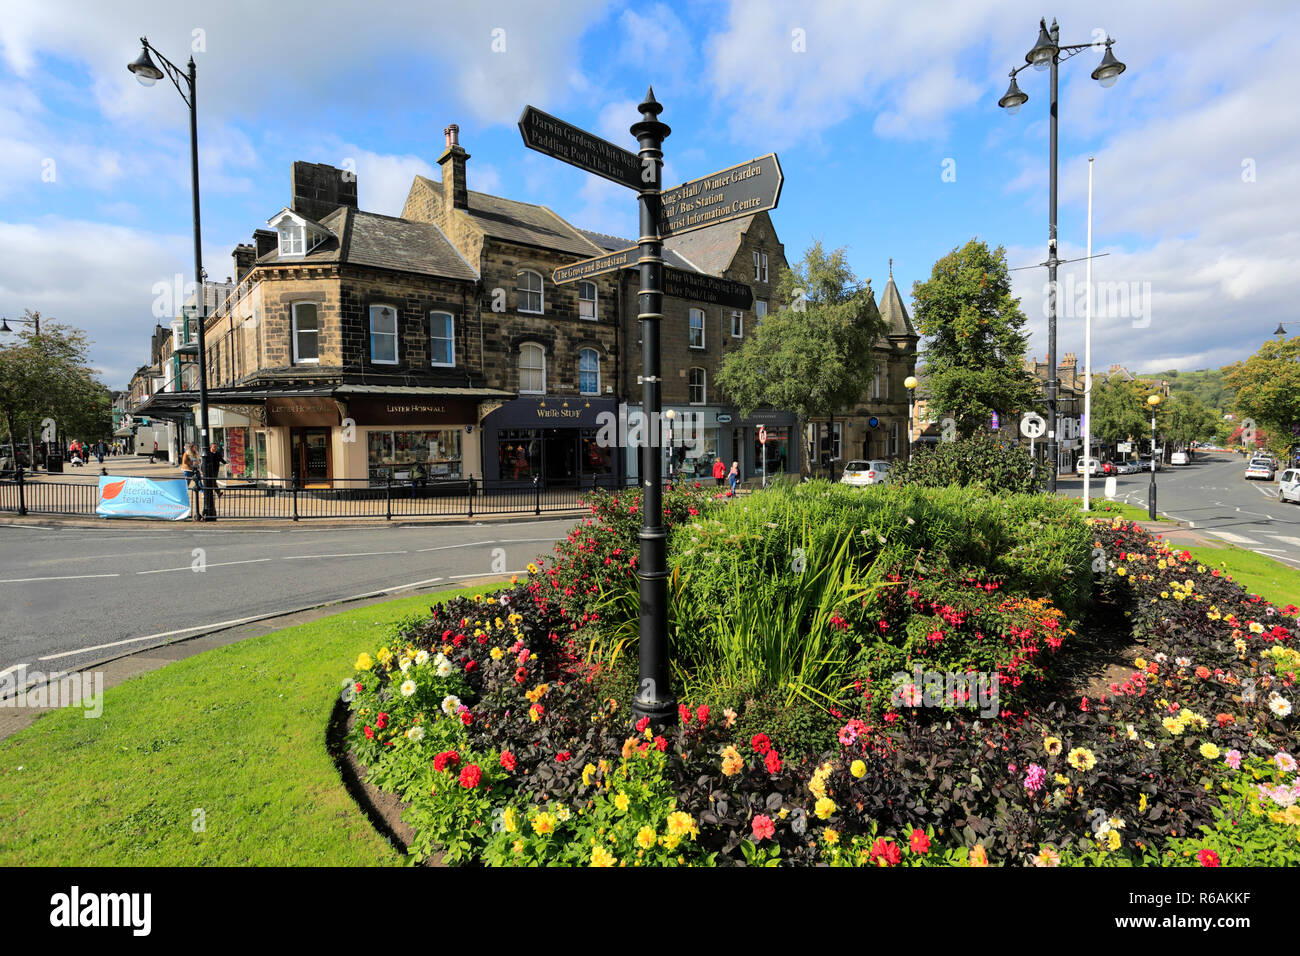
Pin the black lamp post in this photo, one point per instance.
(654, 698)
(148, 74)
(1153, 401)
(1048, 54)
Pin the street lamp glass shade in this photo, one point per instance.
(1013, 98)
(909, 382)
(144, 69)
(1109, 69)
(1041, 55)
(670, 414)
(1153, 400)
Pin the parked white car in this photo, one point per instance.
(1288, 486)
(1090, 466)
(1260, 468)
(1130, 467)
(862, 472)
(1178, 458)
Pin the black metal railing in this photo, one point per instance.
(391, 499)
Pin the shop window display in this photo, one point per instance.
(413, 455)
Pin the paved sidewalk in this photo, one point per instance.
(118, 669)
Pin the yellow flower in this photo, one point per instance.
(670, 841)
(518, 846)
(532, 568)
(978, 856)
(364, 663)
(1209, 751)
(681, 824)
(1062, 779)
(1081, 758)
(544, 823)
(830, 837)
(1142, 803)
(1121, 571)
(508, 820)
(857, 768)
(1113, 839)
(1173, 725)
(587, 773)
(645, 838)
(621, 802)
(1256, 627)
(599, 855)
(732, 762)
(1052, 745)
(1140, 663)
(824, 807)
(496, 653)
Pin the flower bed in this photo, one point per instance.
(513, 749)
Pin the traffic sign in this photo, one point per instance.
(762, 434)
(708, 289)
(609, 262)
(1032, 425)
(558, 139)
(730, 193)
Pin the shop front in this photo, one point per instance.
(555, 439)
(305, 429)
(424, 439)
(779, 455)
(241, 434)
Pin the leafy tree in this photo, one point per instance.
(982, 459)
(1119, 410)
(975, 340)
(813, 357)
(1188, 420)
(1268, 390)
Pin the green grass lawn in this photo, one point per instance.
(1100, 507)
(237, 732)
(1274, 580)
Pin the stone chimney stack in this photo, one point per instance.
(454, 191)
(244, 255)
(318, 189)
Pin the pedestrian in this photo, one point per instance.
(153, 454)
(719, 472)
(733, 477)
(212, 463)
(190, 466)
(99, 451)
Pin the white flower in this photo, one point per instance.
(1183, 661)
(408, 688)
(450, 704)
(1279, 705)
(1284, 761)
(1162, 657)
(415, 734)
(444, 669)
(1132, 732)
(404, 664)
(422, 658)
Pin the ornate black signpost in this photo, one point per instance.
(727, 194)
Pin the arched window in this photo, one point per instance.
(532, 369)
(589, 372)
(698, 396)
(529, 293)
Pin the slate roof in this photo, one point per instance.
(894, 312)
(521, 222)
(712, 249)
(369, 239)
(608, 243)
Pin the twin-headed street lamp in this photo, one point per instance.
(1048, 54)
(148, 73)
(1153, 401)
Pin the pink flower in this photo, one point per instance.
(763, 828)
(1208, 858)
(1233, 759)
(1034, 778)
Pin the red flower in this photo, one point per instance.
(920, 843)
(563, 756)
(661, 744)
(760, 743)
(521, 675)
(642, 724)
(370, 732)
(508, 760)
(1208, 858)
(448, 758)
(381, 721)
(702, 713)
(773, 762)
(683, 714)
(470, 665)
(458, 640)
(884, 853)
(357, 688)
(763, 828)
(470, 776)
(465, 718)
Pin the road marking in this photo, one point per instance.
(150, 637)
(1257, 514)
(468, 544)
(10, 670)
(190, 567)
(62, 577)
(1234, 538)
(1294, 542)
(355, 554)
(489, 574)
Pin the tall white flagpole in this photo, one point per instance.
(1087, 359)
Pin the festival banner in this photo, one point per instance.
(131, 497)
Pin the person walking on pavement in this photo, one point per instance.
(734, 476)
(212, 463)
(719, 471)
(154, 454)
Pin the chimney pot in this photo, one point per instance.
(452, 133)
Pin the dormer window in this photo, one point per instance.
(297, 234)
(291, 238)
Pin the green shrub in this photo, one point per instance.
(982, 460)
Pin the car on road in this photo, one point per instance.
(1178, 458)
(1144, 464)
(1260, 468)
(1091, 466)
(860, 472)
(1130, 467)
(1288, 485)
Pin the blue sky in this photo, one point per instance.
(1197, 145)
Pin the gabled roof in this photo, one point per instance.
(385, 242)
(609, 243)
(521, 222)
(894, 312)
(710, 250)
